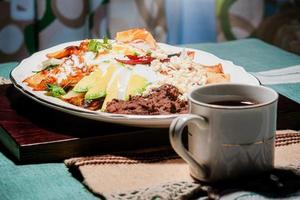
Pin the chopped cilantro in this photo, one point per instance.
(49, 67)
(55, 90)
(95, 45)
(105, 40)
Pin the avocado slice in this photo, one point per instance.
(88, 81)
(136, 85)
(98, 89)
(112, 90)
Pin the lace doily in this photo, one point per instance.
(169, 191)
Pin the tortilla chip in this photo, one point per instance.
(136, 34)
(217, 78)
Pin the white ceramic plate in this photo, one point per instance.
(25, 68)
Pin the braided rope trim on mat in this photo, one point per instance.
(282, 139)
(125, 158)
(287, 139)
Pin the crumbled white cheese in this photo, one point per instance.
(68, 69)
(181, 72)
(159, 54)
(76, 61)
(60, 77)
(88, 56)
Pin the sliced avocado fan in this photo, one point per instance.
(88, 81)
(98, 88)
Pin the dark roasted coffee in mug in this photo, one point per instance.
(247, 102)
(227, 142)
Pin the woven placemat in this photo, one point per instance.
(161, 173)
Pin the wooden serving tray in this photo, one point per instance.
(35, 133)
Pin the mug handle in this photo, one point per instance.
(175, 133)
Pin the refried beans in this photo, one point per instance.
(162, 100)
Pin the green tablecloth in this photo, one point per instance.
(53, 181)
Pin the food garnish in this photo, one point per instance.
(55, 90)
(95, 45)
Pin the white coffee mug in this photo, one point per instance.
(227, 141)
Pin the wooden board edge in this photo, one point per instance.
(9, 143)
(57, 151)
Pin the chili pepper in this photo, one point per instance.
(133, 57)
(133, 60)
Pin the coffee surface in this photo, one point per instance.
(245, 102)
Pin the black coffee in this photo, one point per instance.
(235, 103)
